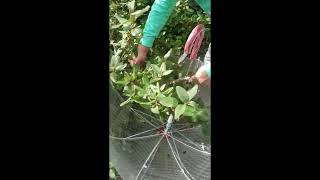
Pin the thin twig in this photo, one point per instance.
(187, 78)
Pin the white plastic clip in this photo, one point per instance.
(168, 124)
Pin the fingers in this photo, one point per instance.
(136, 61)
(193, 79)
(131, 62)
(200, 80)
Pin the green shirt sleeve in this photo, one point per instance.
(157, 18)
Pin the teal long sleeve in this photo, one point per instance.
(158, 16)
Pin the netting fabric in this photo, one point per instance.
(140, 150)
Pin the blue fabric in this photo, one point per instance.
(159, 15)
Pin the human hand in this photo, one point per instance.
(137, 60)
(142, 55)
(201, 77)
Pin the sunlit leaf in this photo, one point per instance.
(155, 80)
(131, 6)
(182, 94)
(168, 101)
(178, 3)
(167, 72)
(193, 91)
(179, 110)
(120, 19)
(121, 67)
(136, 31)
(168, 54)
(112, 174)
(155, 110)
(162, 87)
(163, 67)
(192, 103)
(113, 77)
(153, 88)
(167, 91)
(140, 12)
(155, 68)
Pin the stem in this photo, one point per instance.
(180, 79)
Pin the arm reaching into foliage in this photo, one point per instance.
(203, 75)
(157, 18)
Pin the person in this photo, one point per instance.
(157, 18)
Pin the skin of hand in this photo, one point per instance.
(201, 77)
(142, 55)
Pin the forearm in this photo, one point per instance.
(157, 18)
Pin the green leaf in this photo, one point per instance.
(114, 60)
(125, 102)
(121, 82)
(123, 43)
(138, 88)
(153, 88)
(115, 26)
(167, 72)
(179, 111)
(117, 53)
(189, 111)
(155, 68)
(112, 174)
(113, 77)
(190, 10)
(126, 25)
(141, 92)
(155, 110)
(136, 31)
(162, 87)
(131, 6)
(167, 91)
(168, 54)
(121, 67)
(192, 103)
(168, 101)
(145, 81)
(140, 12)
(142, 103)
(155, 80)
(163, 67)
(158, 87)
(127, 79)
(182, 94)
(178, 3)
(193, 91)
(120, 19)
